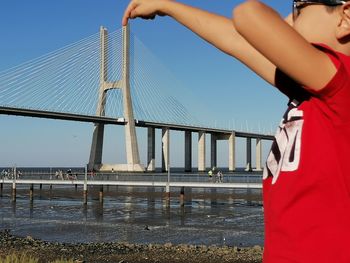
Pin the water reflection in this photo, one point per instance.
(31, 208)
(13, 205)
(97, 210)
(211, 216)
(85, 211)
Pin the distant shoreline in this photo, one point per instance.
(126, 252)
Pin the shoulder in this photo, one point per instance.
(342, 77)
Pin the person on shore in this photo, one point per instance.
(210, 174)
(60, 172)
(306, 183)
(3, 173)
(220, 176)
(69, 175)
(92, 174)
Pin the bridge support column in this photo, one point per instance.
(95, 161)
(132, 152)
(258, 154)
(201, 151)
(232, 152)
(213, 151)
(165, 149)
(188, 151)
(151, 149)
(96, 147)
(249, 155)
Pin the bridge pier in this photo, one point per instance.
(232, 152)
(258, 154)
(165, 149)
(249, 155)
(96, 147)
(201, 151)
(95, 160)
(231, 138)
(188, 151)
(151, 149)
(132, 152)
(213, 151)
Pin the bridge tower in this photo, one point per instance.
(132, 152)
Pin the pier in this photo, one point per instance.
(177, 181)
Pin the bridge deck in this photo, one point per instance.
(121, 121)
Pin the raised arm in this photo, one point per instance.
(215, 29)
(281, 44)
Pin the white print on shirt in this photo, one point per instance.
(285, 150)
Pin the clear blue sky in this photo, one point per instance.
(226, 88)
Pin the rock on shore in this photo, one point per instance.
(125, 252)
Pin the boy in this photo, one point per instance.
(306, 184)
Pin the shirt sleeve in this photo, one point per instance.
(336, 94)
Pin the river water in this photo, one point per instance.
(136, 215)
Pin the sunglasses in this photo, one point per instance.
(298, 5)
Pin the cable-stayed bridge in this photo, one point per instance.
(112, 78)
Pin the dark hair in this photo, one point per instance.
(331, 8)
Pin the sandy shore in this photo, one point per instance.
(125, 252)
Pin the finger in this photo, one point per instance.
(148, 17)
(127, 13)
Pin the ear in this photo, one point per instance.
(343, 28)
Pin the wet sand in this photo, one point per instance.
(125, 252)
(231, 218)
(132, 225)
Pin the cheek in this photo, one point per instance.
(303, 29)
(311, 30)
(315, 24)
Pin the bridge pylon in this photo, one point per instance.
(132, 152)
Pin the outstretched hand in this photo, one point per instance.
(146, 9)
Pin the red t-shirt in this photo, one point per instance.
(306, 186)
